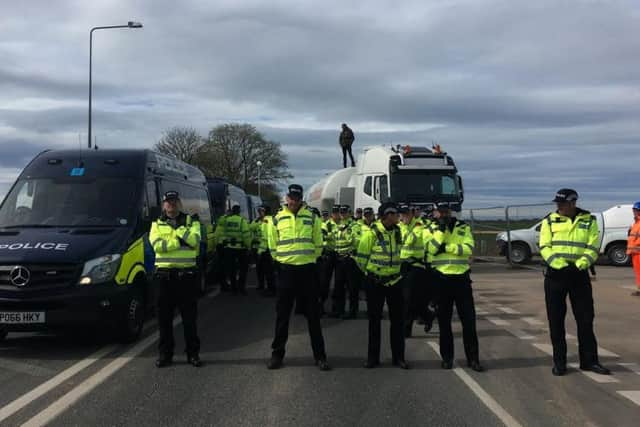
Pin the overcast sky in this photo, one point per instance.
(527, 96)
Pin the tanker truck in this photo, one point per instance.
(402, 174)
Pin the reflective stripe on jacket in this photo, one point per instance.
(379, 252)
(329, 228)
(295, 239)
(449, 250)
(564, 242)
(176, 247)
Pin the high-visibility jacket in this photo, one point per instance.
(235, 232)
(633, 240)
(254, 230)
(413, 250)
(266, 222)
(344, 238)
(329, 228)
(295, 239)
(176, 247)
(449, 250)
(379, 252)
(564, 241)
(356, 231)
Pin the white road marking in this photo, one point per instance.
(520, 334)
(630, 287)
(507, 310)
(632, 395)
(481, 313)
(498, 322)
(606, 353)
(65, 402)
(570, 337)
(546, 348)
(54, 382)
(633, 367)
(533, 321)
(26, 368)
(596, 377)
(484, 397)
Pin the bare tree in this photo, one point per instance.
(233, 150)
(183, 143)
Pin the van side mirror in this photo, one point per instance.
(461, 189)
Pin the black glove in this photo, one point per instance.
(195, 217)
(442, 249)
(442, 224)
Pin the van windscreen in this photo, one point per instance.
(69, 202)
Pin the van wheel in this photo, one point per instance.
(132, 319)
(3, 334)
(617, 254)
(520, 253)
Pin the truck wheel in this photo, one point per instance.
(520, 253)
(3, 334)
(617, 254)
(132, 319)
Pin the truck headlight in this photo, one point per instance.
(100, 270)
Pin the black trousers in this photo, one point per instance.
(345, 283)
(577, 285)
(265, 271)
(298, 281)
(177, 289)
(327, 266)
(236, 264)
(456, 289)
(347, 150)
(376, 296)
(418, 293)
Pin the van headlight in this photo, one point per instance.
(100, 270)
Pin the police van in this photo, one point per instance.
(74, 246)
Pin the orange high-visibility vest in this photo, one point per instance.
(633, 241)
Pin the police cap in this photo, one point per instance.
(565, 195)
(344, 209)
(295, 192)
(367, 211)
(335, 209)
(387, 208)
(170, 195)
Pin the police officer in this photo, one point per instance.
(379, 258)
(328, 259)
(264, 266)
(236, 238)
(296, 240)
(413, 269)
(344, 277)
(358, 215)
(175, 238)
(450, 243)
(569, 244)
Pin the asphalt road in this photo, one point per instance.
(88, 380)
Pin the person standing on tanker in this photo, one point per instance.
(346, 141)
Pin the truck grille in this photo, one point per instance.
(42, 277)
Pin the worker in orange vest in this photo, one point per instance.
(633, 246)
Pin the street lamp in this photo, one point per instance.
(130, 24)
(259, 164)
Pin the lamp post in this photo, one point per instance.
(259, 164)
(130, 24)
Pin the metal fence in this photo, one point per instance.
(507, 234)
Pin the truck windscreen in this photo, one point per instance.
(424, 187)
(69, 202)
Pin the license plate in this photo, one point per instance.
(21, 317)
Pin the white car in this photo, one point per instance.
(613, 223)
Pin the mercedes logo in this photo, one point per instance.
(19, 276)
